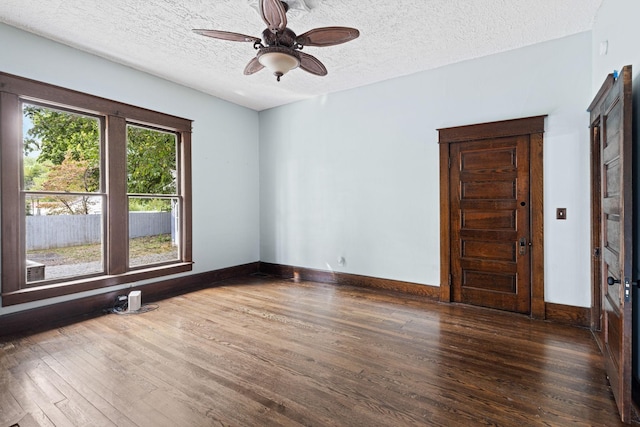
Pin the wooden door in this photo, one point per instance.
(490, 223)
(611, 124)
(492, 215)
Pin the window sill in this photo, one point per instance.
(68, 288)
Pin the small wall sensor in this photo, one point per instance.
(135, 300)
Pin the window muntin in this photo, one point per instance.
(19, 194)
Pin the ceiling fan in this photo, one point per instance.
(283, 50)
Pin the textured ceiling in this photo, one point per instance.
(396, 37)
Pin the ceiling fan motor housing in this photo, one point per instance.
(282, 38)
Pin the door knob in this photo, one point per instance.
(611, 281)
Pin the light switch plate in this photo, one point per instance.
(561, 213)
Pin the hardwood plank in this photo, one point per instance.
(84, 388)
(30, 412)
(385, 356)
(9, 407)
(153, 362)
(240, 391)
(294, 359)
(74, 405)
(42, 400)
(269, 351)
(118, 390)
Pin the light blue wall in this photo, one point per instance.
(225, 142)
(355, 174)
(616, 24)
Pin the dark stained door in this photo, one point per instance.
(490, 221)
(611, 116)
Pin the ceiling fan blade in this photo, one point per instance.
(312, 65)
(327, 36)
(226, 35)
(274, 14)
(253, 67)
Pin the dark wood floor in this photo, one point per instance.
(261, 352)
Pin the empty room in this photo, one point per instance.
(319, 213)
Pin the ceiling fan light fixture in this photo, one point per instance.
(279, 60)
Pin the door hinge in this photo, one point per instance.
(596, 252)
(450, 279)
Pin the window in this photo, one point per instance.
(154, 205)
(94, 193)
(64, 197)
